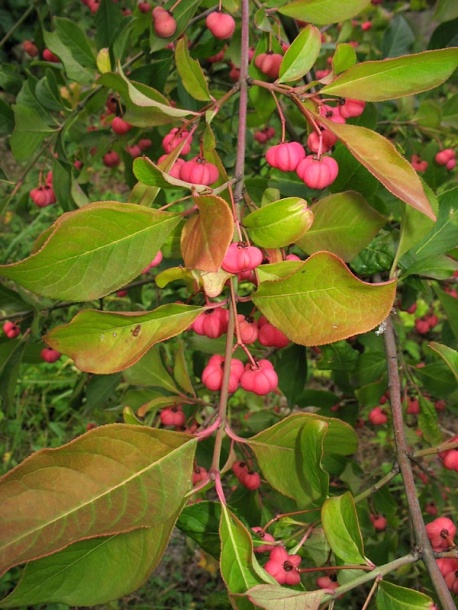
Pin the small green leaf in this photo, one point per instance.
(190, 72)
(449, 355)
(70, 44)
(89, 572)
(323, 12)
(180, 370)
(76, 260)
(239, 567)
(31, 128)
(201, 523)
(388, 79)
(340, 523)
(107, 481)
(381, 158)
(428, 422)
(301, 55)
(290, 459)
(394, 597)
(344, 224)
(323, 302)
(273, 597)
(398, 37)
(206, 236)
(344, 57)
(280, 223)
(446, 10)
(104, 342)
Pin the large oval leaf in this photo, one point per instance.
(104, 342)
(206, 237)
(301, 55)
(108, 481)
(323, 302)
(323, 12)
(381, 158)
(388, 79)
(343, 224)
(93, 251)
(89, 572)
(271, 597)
(280, 223)
(190, 72)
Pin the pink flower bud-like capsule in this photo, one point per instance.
(50, 355)
(327, 138)
(318, 173)
(240, 258)
(444, 156)
(164, 23)
(199, 171)
(172, 416)
(260, 378)
(111, 159)
(352, 108)
(120, 126)
(221, 25)
(269, 64)
(283, 567)
(263, 548)
(377, 416)
(286, 156)
(441, 532)
(174, 138)
(11, 329)
(269, 336)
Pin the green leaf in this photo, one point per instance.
(290, 459)
(271, 597)
(394, 597)
(449, 355)
(388, 79)
(201, 523)
(323, 302)
(6, 119)
(107, 20)
(180, 369)
(450, 306)
(107, 481)
(105, 342)
(31, 128)
(428, 422)
(239, 567)
(280, 223)
(343, 224)
(291, 367)
(207, 235)
(339, 356)
(381, 158)
(301, 55)
(89, 572)
(190, 72)
(437, 379)
(443, 236)
(69, 43)
(340, 523)
(352, 175)
(93, 251)
(398, 38)
(438, 267)
(344, 58)
(323, 12)
(446, 10)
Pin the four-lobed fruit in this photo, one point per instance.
(174, 138)
(173, 416)
(43, 195)
(377, 416)
(318, 172)
(199, 171)
(111, 159)
(269, 64)
(283, 567)
(241, 257)
(11, 329)
(259, 378)
(164, 23)
(285, 156)
(446, 157)
(50, 355)
(120, 126)
(221, 25)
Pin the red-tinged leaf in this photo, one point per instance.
(108, 481)
(323, 12)
(344, 224)
(301, 55)
(274, 597)
(323, 302)
(381, 158)
(89, 572)
(388, 79)
(206, 237)
(93, 251)
(104, 342)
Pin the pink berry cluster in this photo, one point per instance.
(247, 477)
(269, 64)
(258, 377)
(264, 135)
(426, 323)
(173, 416)
(447, 158)
(220, 24)
(317, 170)
(44, 195)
